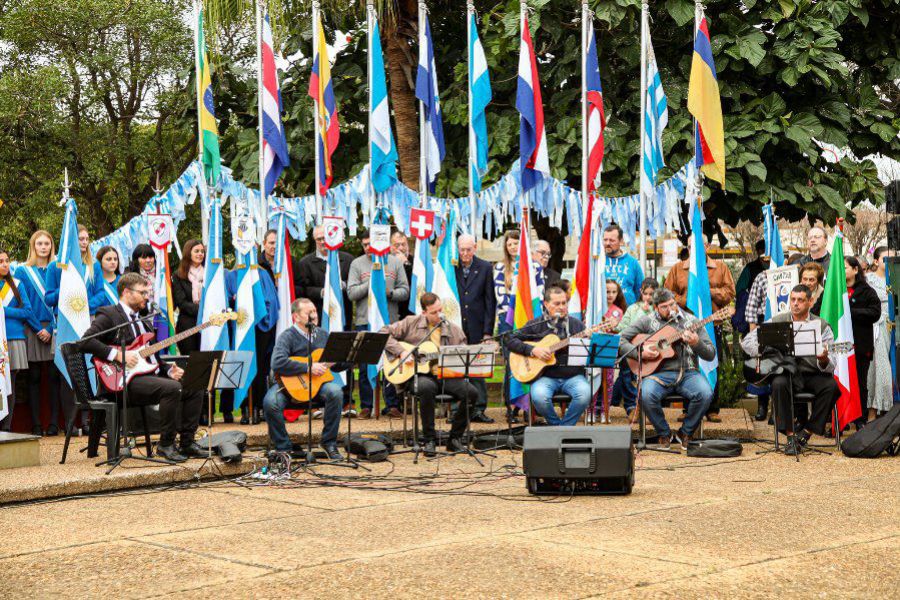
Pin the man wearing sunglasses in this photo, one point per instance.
(164, 387)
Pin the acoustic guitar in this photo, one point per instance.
(528, 368)
(759, 370)
(305, 386)
(665, 339)
(111, 374)
(397, 371)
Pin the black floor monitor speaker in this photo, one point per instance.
(579, 460)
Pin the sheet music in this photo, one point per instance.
(579, 349)
(453, 360)
(808, 338)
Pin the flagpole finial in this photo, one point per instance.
(470, 6)
(840, 224)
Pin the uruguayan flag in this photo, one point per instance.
(213, 297)
(480, 90)
(656, 117)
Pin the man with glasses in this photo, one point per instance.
(163, 388)
(400, 249)
(311, 274)
(542, 255)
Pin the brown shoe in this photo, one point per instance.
(664, 442)
(714, 418)
(394, 413)
(365, 413)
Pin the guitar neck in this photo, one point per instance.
(565, 342)
(153, 349)
(695, 326)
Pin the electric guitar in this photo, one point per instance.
(528, 368)
(114, 377)
(397, 371)
(306, 386)
(664, 341)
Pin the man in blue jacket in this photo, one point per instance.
(300, 340)
(620, 266)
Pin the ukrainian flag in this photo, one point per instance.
(704, 103)
(209, 133)
(321, 90)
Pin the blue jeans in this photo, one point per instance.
(367, 394)
(693, 386)
(330, 395)
(542, 392)
(625, 389)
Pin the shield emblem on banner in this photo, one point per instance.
(380, 239)
(421, 223)
(242, 233)
(334, 232)
(161, 228)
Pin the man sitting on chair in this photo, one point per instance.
(676, 375)
(302, 338)
(146, 390)
(814, 375)
(414, 329)
(560, 377)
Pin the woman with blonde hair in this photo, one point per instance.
(39, 345)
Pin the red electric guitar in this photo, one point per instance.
(111, 374)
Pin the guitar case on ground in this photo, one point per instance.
(880, 435)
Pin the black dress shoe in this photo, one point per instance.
(36, 430)
(430, 449)
(332, 452)
(228, 418)
(455, 444)
(762, 411)
(52, 429)
(792, 448)
(480, 417)
(170, 453)
(193, 450)
(245, 420)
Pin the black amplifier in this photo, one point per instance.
(579, 460)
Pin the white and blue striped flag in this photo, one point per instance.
(699, 297)
(377, 306)
(480, 90)
(444, 273)
(73, 311)
(332, 318)
(422, 275)
(213, 297)
(251, 308)
(656, 117)
(774, 250)
(383, 151)
(427, 92)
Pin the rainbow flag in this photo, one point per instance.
(525, 305)
(706, 106)
(321, 90)
(209, 132)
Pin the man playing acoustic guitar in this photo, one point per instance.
(301, 339)
(676, 375)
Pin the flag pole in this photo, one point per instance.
(643, 192)
(423, 164)
(263, 198)
(317, 112)
(204, 217)
(698, 14)
(585, 15)
(370, 20)
(470, 12)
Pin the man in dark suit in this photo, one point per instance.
(541, 255)
(145, 390)
(309, 279)
(478, 304)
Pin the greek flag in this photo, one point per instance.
(480, 94)
(213, 297)
(427, 92)
(699, 298)
(656, 117)
(73, 309)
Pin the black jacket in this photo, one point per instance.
(535, 330)
(478, 303)
(108, 317)
(309, 278)
(865, 311)
(183, 299)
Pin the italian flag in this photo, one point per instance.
(836, 311)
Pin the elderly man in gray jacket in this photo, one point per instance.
(677, 375)
(397, 287)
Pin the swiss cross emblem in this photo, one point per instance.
(421, 223)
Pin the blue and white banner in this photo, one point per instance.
(699, 297)
(382, 150)
(480, 93)
(213, 297)
(427, 93)
(73, 310)
(656, 117)
(250, 306)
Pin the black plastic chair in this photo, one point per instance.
(103, 410)
(807, 398)
(559, 398)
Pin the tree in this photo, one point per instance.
(101, 87)
(868, 229)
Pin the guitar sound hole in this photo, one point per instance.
(662, 345)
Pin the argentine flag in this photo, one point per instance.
(699, 298)
(377, 305)
(422, 275)
(773, 246)
(382, 150)
(445, 274)
(332, 318)
(251, 308)
(213, 297)
(480, 95)
(74, 313)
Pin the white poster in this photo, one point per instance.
(670, 253)
(780, 283)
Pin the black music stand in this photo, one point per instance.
(355, 347)
(453, 358)
(603, 353)
(201, 375)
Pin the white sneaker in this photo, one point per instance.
(349, 413)
(591, 418)
(317, 414)
(604, 419)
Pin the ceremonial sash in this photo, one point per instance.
(110, 292)
(38, 282)
(6, 294)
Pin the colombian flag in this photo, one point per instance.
(705, 105)
(209, 133)
(321, 91)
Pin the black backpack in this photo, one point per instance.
(881, 435)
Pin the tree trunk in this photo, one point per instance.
(401, 68)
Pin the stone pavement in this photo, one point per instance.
(759, 526)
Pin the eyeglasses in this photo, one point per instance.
(319, 239)
(544, 253)
(144, 293)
